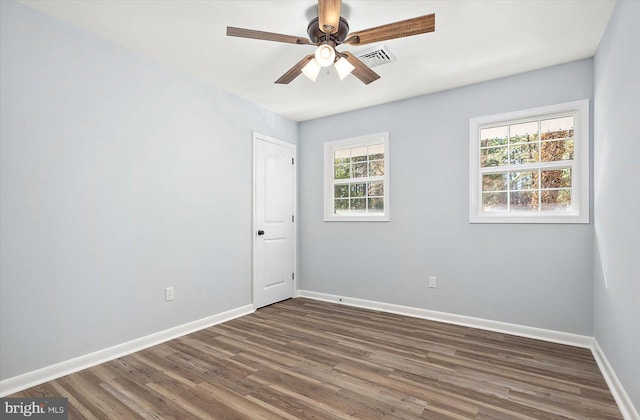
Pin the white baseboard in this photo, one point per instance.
(622, 398)
(36, 377)
(629, 412)
(467, 321)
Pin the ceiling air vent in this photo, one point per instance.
(375, 56)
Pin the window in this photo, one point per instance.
(356, 174)
(530, 166)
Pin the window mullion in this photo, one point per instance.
(506, 142)
(539, 190)
(508, 191)
(527, 167)
(357, 155)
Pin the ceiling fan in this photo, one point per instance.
(329, 30)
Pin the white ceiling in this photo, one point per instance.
(473, 41)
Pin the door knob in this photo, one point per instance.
(260, 232)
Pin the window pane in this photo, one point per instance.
(494, 156)
(341, 156)
(496, 136)
(358, 205)
(341, 172)
(376, 205)
(556, 200)
(557, 128)
(494, 201)
(358, 190)
(341, 191)
(524, 180)
(376, 168)
(359, 170)
(359, 176)
(494, 182)
(551, 151)
(359, 154)
(376, 152)
(524, 153)
(341, 206)
(524, 166)
(568, 154)
(560, 178)
(376, 189)
(525, 132)
(524, 201)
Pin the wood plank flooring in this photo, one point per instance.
(308, 359)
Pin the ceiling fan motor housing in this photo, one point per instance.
(328, 39)
(316, 35)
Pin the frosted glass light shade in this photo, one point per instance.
(344, 68)
(311, 70)
(325, 54)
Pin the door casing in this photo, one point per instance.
(258, 137)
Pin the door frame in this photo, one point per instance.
(256, 137)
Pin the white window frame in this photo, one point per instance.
(579, 212)
(329, 148)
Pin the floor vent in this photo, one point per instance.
(375, 56)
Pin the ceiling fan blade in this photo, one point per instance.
(413, 26)
(294, 71)
(267, 36)
(329, 15)
(361, 70)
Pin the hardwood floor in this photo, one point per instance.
(307, 359)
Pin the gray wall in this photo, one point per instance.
(119, 177)
(537, 275)
(616, 199)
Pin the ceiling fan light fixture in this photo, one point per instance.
(343, 67)
(328, 30)
(325, 55)
(312, 69)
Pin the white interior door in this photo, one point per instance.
(274, 220)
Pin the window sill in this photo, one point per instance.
(356, 218)
(530, 218)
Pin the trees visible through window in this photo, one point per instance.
(531, 168)
(356, 173)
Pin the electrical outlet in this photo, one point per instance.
(168, 294)
(432, 282)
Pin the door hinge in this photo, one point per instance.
(293, 161)
(293, 276)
